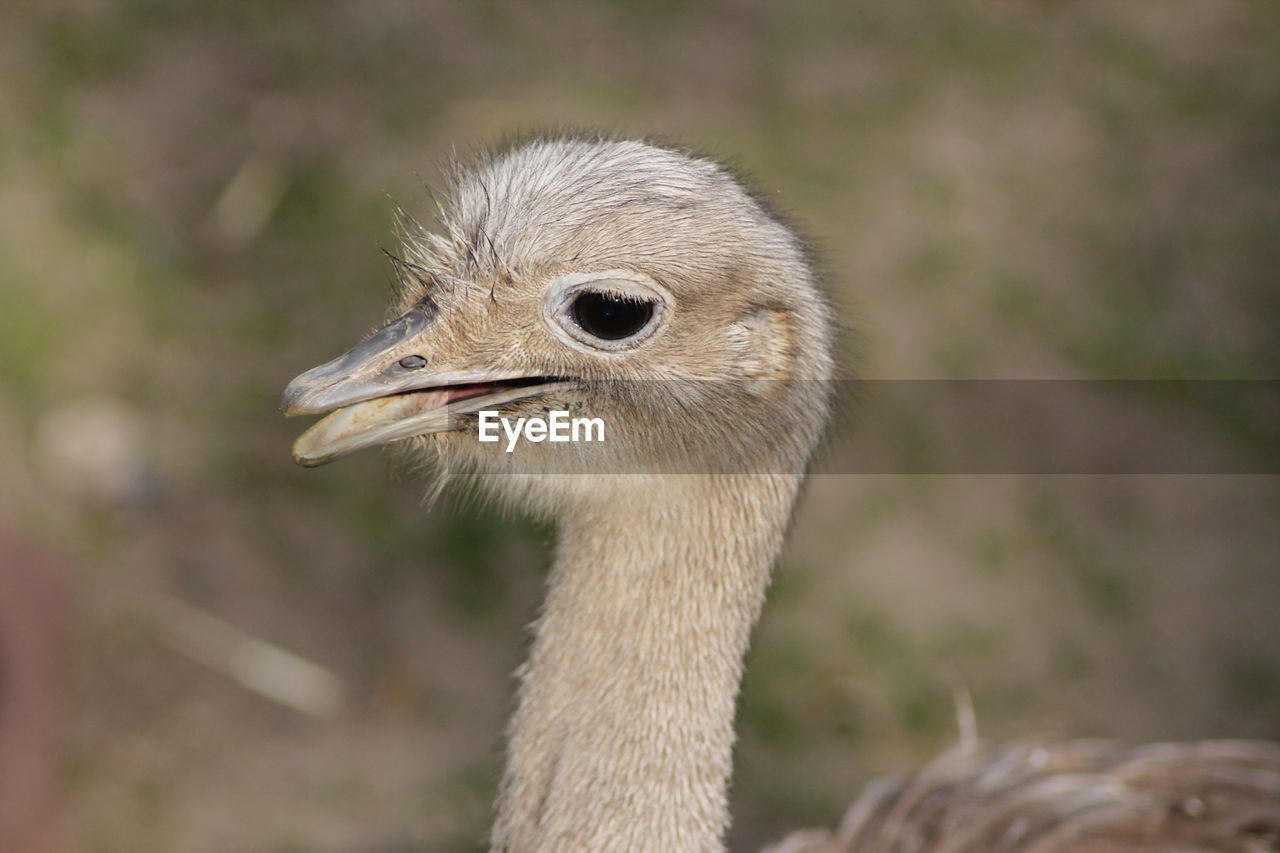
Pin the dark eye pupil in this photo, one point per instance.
(610, 318)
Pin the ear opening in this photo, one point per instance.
(765, 340)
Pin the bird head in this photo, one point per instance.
(609, 280)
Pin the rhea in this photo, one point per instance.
(646, 287)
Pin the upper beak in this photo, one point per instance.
(365, 371)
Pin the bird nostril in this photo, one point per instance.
(412, 362)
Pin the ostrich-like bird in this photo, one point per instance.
(645, 287)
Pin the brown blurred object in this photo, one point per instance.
(31, 619)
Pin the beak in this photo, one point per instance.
(383, 390)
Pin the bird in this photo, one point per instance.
(644, 285)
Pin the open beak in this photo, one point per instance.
(382, 390)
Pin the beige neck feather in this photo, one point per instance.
(623, 736)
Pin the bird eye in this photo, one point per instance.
(606, 313)
(610, 318)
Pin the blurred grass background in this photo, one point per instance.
(192, 195)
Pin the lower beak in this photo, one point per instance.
(372, 422)
(384, 419)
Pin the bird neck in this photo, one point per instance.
(623, 736)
